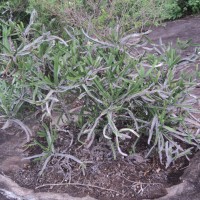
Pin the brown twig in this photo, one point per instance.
(78, 184)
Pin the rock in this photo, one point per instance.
(13, 163)
(189, 189)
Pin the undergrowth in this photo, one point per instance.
(126, 91)
(99, 16)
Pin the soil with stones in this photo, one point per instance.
(103, 178)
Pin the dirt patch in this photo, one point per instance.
(128, 178)
(10, 190)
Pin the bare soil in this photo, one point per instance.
(130, 178)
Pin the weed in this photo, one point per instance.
(48, 150)
(126, 92)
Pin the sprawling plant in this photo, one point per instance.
(129, 98)
(124, 93)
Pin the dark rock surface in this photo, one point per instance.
(189, 189)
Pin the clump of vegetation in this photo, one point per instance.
(125, 93)
(179, 8)
(99, 16)
(15, 10)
